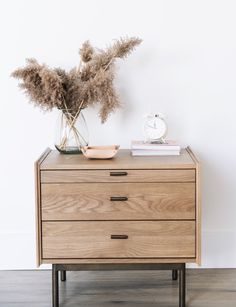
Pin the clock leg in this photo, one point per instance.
(63, 275)
(55, 292)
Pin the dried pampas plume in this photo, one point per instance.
(81, 87)
(41, 84)
(123, 47)
(86, 52)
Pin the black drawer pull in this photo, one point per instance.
(122, 237)
(118, 198)
(118, 173)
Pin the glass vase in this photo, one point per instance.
(71, 132)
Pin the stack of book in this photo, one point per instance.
(141, 148)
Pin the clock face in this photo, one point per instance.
(155, 128)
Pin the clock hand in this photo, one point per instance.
(151, 126)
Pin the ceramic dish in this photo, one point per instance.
(100, 152)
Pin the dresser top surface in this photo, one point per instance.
(53, 160)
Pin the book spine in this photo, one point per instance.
(162, 147)
(154, 153)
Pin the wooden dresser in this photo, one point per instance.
(124, 213)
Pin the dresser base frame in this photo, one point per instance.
(175, 267)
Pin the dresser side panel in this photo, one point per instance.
(198, 215)
(38, 206)
(198, 205)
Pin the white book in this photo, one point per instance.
(140, 152)
(168, 145)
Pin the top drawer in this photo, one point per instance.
(63, 176)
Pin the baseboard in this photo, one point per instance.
(218, 249)
(18, 250)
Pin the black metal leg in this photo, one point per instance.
(174, 274)
(182, 286)
(63, 275)
(55, 294)
(177, 269)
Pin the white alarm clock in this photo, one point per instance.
(155, 128)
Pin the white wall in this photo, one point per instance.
(185, 68)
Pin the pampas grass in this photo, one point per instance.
(89, 84)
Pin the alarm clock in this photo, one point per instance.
(155, 128)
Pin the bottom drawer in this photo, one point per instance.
(118, 239)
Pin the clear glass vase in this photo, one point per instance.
(71, 132)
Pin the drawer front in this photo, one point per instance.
(58, 176)
(118, 239)
(118, 201)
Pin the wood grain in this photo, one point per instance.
(73, 201)
(123, 160)
(91, 201)
(73, 176)
(93, 239)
